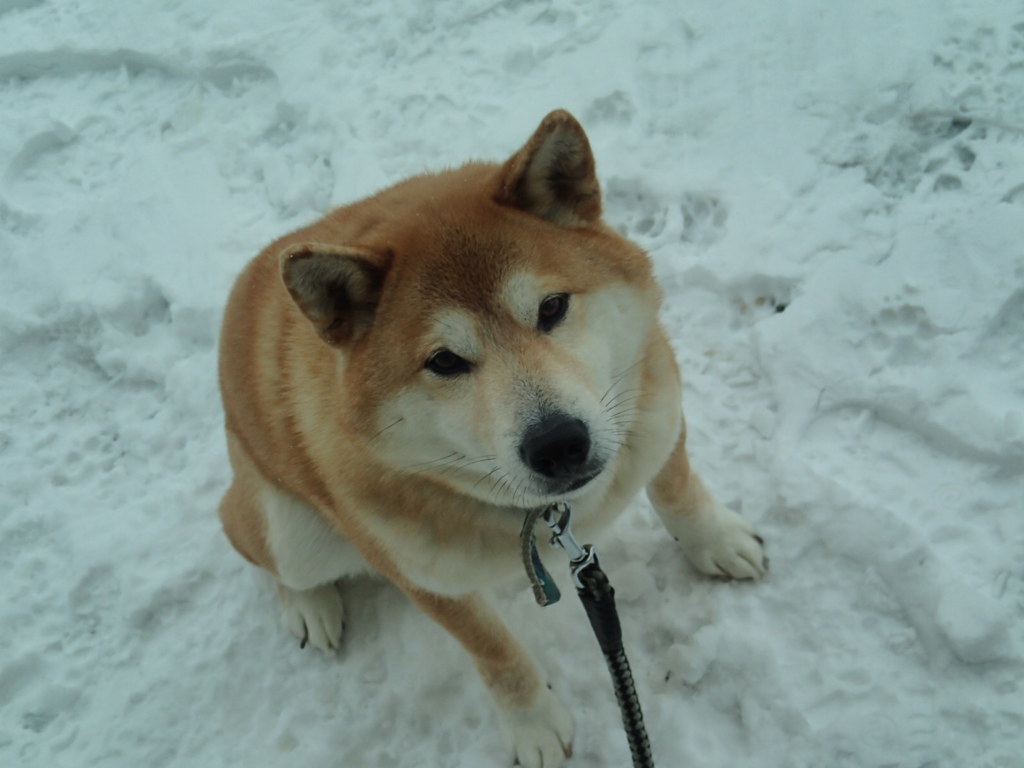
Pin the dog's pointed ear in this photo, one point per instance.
(336, 287)
(553, 176)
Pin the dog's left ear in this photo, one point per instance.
(552, 176)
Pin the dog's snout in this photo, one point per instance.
(556, 447)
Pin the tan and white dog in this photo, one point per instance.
(408, 375)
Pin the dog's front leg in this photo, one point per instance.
(715, 539)
(536, 724)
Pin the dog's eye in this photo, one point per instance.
(552, 310)
(444, 362)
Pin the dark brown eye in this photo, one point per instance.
(444, 362)
(552, 310)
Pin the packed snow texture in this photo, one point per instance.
(833, 197)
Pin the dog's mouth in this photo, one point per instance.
(566, 487)
(578, 483)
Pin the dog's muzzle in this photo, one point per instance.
(558, 448)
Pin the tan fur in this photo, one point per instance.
(328, 403)
(239, 510)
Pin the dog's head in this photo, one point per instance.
(489, 326)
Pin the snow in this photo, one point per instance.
(833, 196)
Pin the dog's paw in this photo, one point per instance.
(722, 544)
(540, 735)
(315, 616)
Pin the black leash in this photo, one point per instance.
(598, 600)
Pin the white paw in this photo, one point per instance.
(314, 615)
(541, 734)
(720, 543)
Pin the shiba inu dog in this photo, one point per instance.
(404, 378)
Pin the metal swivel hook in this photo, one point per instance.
(557, 516)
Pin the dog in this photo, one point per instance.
(405, 378)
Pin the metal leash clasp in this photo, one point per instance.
(557, 516)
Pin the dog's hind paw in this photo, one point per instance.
(541, 734)
(315, 616)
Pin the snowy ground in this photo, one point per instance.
(857, 164)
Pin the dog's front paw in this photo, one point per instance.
(314, 616)
(541, 734)
(722, 544)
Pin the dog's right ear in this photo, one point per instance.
(336, 287)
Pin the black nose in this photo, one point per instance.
(556, 447)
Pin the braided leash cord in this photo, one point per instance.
(598, 599)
